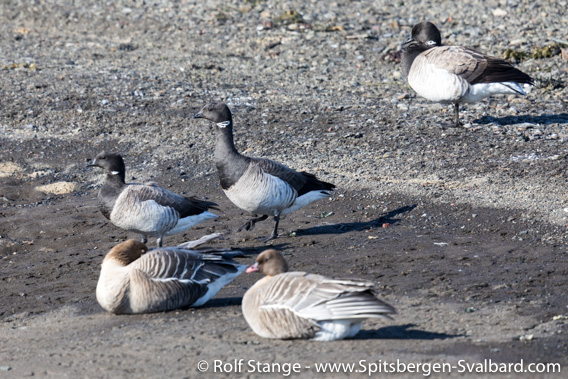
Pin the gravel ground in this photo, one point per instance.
(464, 229)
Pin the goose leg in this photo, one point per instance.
(249, 225)
(159, 240)
(274, 234)
(457, 115)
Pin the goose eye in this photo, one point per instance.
(431, 43)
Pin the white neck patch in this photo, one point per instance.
(223, 124)
(115, 172)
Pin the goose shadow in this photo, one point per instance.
(403, 332)
(544, 119)
(345, 227)
(222, 302)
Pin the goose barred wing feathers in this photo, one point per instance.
(318, 298)
(185, 206)
(152, 294)
(473, 66)
(468, 64)
(172, 263)
(302, 182)
(171, 278)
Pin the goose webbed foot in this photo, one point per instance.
(269, 238)
(249, 225)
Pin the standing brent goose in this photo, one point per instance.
(133, 280)
(259, 185)
(288, 305)
(455, 74)
(146, 208)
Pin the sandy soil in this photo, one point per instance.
(463, 229)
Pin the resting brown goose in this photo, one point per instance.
(455, 74)
(287, 305)
(135, 280)
(259, 185)
(146, 208)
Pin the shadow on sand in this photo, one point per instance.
(389, 217)
(543, 119)
(402, 332)
(221, 302)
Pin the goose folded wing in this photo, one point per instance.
(466, 63)
(474, 66)
(130, 212)
(302, 182)
(169, 263)
(349, 305)
(151, 294)
(215, 266)
(169, 278)
(318, 298)
(290, 176)
(185, 206)
(182, 264)
(499, 70)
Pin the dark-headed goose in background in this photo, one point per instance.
(259, 185)
(135, 280)
(455, 74)
(146, 208)
(287, 305)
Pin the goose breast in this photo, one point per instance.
(433, 78)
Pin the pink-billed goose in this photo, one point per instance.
(287, 305)
(259, 185)
(455, 74)
(135, 280)
(146, 208)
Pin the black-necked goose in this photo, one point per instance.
(259, 185)
(135, 280)
(287, 305)
(455, 74)
(146, 208)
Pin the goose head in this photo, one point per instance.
(126, 252)
(426, 33)
(110, 162)
(269, 262)
(219, 113)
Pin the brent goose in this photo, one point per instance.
(288, 305)
(259, 185)
(146, 208)
(135, 280)
(455, 74)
